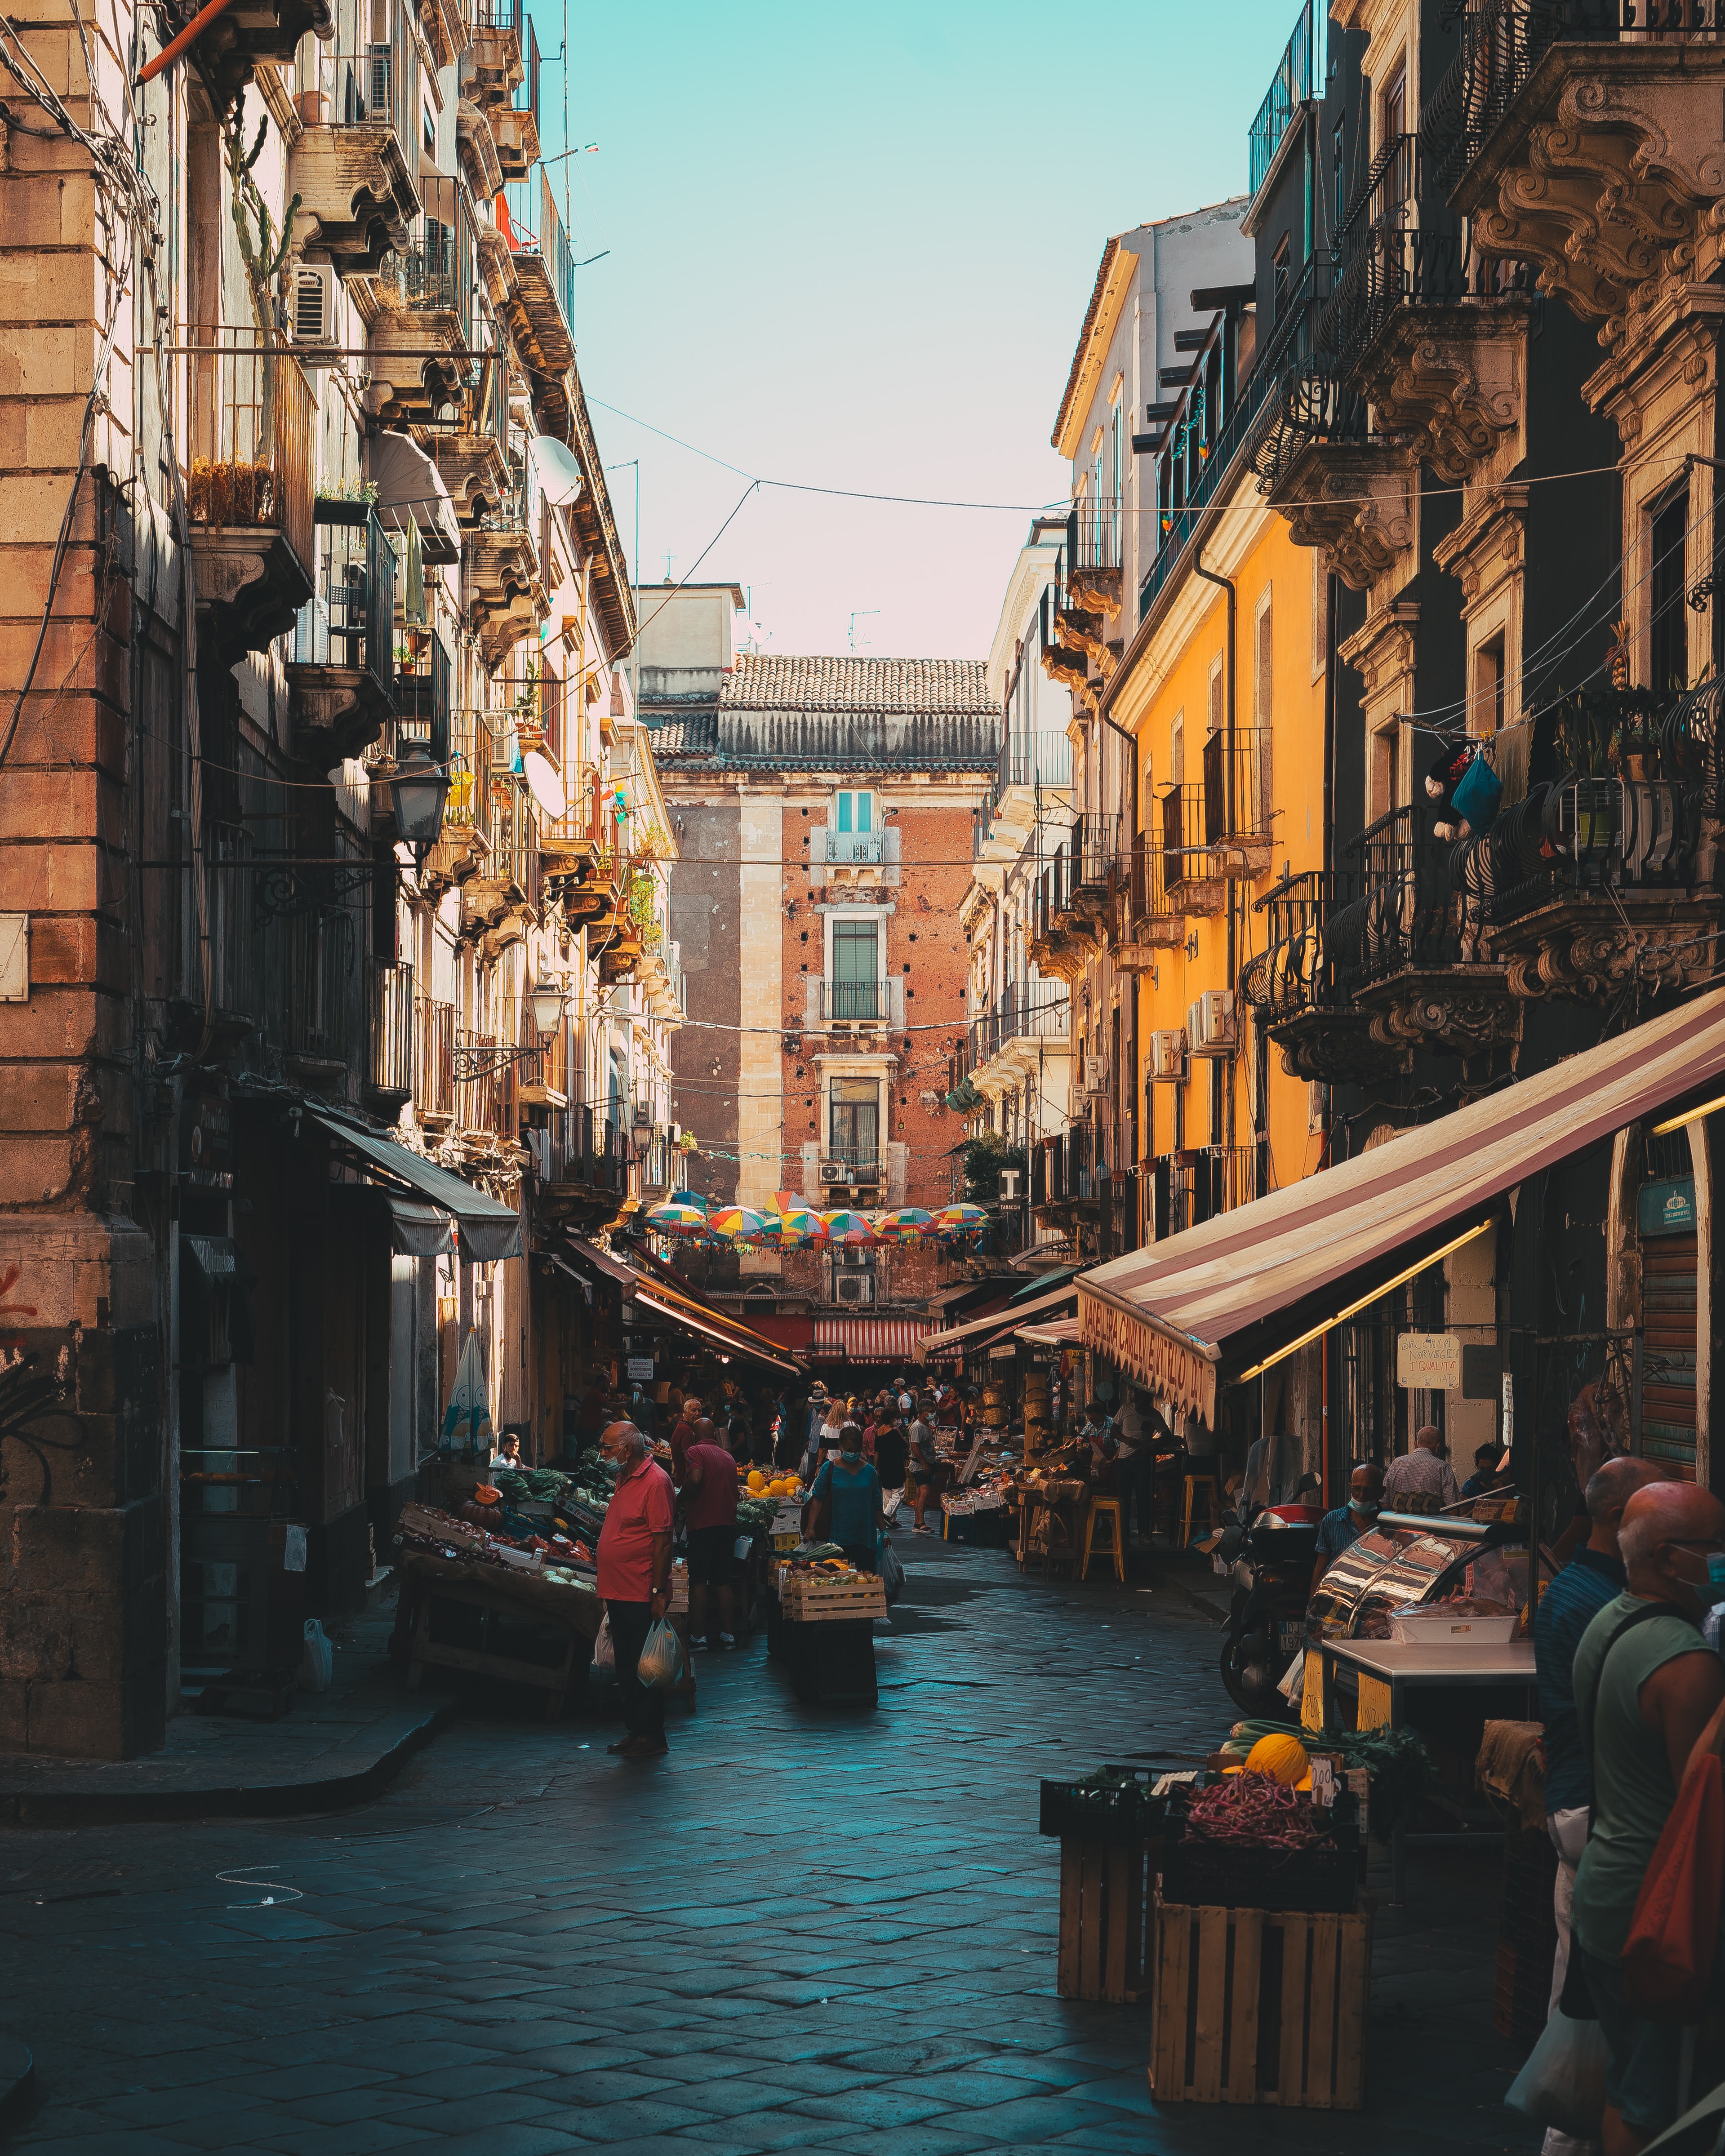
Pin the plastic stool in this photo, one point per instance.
(1114, 1547)
(1207, 1483)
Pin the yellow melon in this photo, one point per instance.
(1283, 1758)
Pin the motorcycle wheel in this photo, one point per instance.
(1259, 1700)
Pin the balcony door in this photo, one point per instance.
(856, 969)
(855, 1131)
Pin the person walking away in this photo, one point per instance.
(1422, 1472)
(709, 1487)
(793, 1424)
(925, 1471)
(682, 1436)
(633, 1561)
(1340, 1530)
(1647, 1686)
(1593, 1577)
(847, 1502)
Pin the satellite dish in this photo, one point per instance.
(559, 469)
(544, 784)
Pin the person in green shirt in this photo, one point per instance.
(1648, 1691)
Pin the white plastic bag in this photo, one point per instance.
(661, 1657)
(892, 1572)
(1563, 2082)
(317, 1663)
(604, 1654)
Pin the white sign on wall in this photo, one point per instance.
(1429, 1361)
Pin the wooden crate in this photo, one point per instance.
(1105, 1925)
(1260, 2006)
(834, 1602)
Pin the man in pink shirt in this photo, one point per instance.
(709, 1487)
(633, 1558)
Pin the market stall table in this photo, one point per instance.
(1386, 1675)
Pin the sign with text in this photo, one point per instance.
(639, 1366)
(1428, 1362)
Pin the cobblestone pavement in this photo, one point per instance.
(799, 1931)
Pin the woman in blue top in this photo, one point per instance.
(846, 1498)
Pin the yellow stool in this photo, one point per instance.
(1207, 1484)
(1114, 1547)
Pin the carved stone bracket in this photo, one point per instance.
(250, 584)
(1446, 1010)
(1096, 589)
(357, 198)
(1452, 381)
(475, 470)
(508, 600)
(1354, 500)
(1337, 1048)
(1608, 170)
(337, 712)
(477, 149)
(1592, 945)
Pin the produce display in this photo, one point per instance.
(1258, 1808)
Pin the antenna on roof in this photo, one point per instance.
(856, 618)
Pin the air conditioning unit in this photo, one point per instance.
(854, 1288)
(834, 1171)
(1212, 1024)
(1095, 1074)
(1168, 1056)
(314, 303)
(1011, 1186)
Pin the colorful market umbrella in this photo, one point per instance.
(677, 1218)
(908, 1225)
(844, 1226)
(737, 1221)
(959, 1219)
(793, 1229)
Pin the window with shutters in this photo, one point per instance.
(550, 713)
(1263, 710)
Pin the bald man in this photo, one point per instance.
(1647, 1687)
(1593, 1577)
(1423, 1474)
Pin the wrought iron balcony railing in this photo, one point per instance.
(236, 954)
(1503, 41)
(434, 1058)
(1043, 759)
(436, 274)
(1095, 850)
(1198, 1184)
(1304, 966)
(1147, 899)
(320, 969)
(251, 417)
(1028, 1010)
(1236, 788)
(1184, 837)
(349, 621)
(1408, 912)
(1093, 535)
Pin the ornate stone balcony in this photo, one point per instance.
(341, 662)
(476, 472)
(249, 488)
(1301, 984)
(509, 598)
(1584, 147)
(356, 194)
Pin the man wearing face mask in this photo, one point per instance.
(1646, 1687)
(634, 1563)
(1339, 1530)
(846, 1498)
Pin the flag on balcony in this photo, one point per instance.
(467, 1418)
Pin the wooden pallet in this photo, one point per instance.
(1260, 2006)
(1105, 1927)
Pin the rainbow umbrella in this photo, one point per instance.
(797, 1227)
(674, 1217)
(734, 1222)
(908, 1225)
(959, 1220)
(846, 1227)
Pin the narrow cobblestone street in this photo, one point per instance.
(798, 1931)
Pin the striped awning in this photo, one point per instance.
(869, 1339)
(1187, 1314)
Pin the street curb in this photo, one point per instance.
(267, 1801)
(1202, 1603)
(17, 2082)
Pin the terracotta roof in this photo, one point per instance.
(767, 682)
(695, 736)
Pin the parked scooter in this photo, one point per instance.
(1271, 1549)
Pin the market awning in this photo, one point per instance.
(1056, 1277)
(734, 1339)
(868, 1339)
(1062, 1333)
(410, 485)
(980, 1331)
(1244, 1286)
(487, 1231)
(603, 1264)
(419, 1230)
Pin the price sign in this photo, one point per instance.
(639, 1366)
(1428, 1362)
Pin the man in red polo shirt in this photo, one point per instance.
(633, 1555)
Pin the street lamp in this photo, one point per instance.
(418, 792)
(547, 1003)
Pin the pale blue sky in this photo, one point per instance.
(854, 248)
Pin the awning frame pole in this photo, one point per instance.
(1354, 1309)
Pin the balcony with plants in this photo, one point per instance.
(424, 297)
(1598, 881)
(341, 661)
(353, 169)
(251, 417)
(1582, 136)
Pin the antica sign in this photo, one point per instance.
(1164, 1364)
